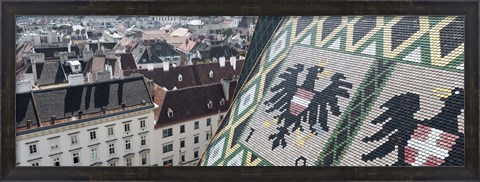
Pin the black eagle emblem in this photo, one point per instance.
(304, 103)
(441, 142)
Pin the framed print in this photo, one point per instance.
(294, 90)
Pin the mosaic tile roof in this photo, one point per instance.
(350, 91)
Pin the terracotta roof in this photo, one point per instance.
(98, 63)
(188, 45)
(158, 98)
(128, 63)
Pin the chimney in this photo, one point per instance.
(23, 86)
(70, 46)
(89, 77)
(166, 66)
(37, 57)
(225, 88)
(34, 71)
(119, 63)
(233, 62)
(87, 55)
(222, 62)
(63, 57)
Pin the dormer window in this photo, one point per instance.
(80, 114)
(29, 123)
(170, 113)
(180, 77)
(222, 102)
(210, 74)
(53, 118)
(210, 104)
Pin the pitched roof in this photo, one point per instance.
(127, 61)
(49, 72)
(66, 102)
(227, 72)
(246, 21)
(25, 109)
(97, 65)
(163, 49)
(190, 103)
(188, 45)
(169, 79)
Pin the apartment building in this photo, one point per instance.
(109, 123)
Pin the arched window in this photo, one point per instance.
(210, 104)
(180, 77)
(170, 113)
(210, 74)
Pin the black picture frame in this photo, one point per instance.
(10, 9)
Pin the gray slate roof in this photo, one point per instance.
(89, 98)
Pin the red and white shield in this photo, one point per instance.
(428, 146)
(300, 101)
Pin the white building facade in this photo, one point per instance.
(182, 144)
(120, 140)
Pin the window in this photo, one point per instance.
(167, 132)
(167, 148)
(93, 135)
(195, 140)
(143, 140)
(168, 162)
(76, 157)
(180, 77)
(221, 118)
(127, 144)
(128, 161)
(209, 121)
(170, 113)
(182, 129)
(210, 104)
(112, 163)
(94, 153)
(110, 131)
(210, 74)
(222, 102)
(35, 163)
(142, 123)
(74, 139)
(33, 148)
(208, 135)
(182, 143)
(127, 127)
(183, 157)
(196, 125)
(56, 161)
(111, 148)
(195, 154)
(144, 157)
